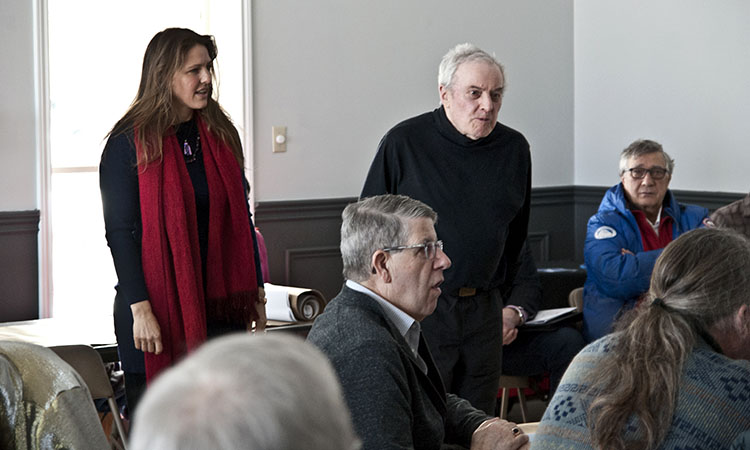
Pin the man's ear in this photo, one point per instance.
(379, 263)
(742, 319)
(443, 94)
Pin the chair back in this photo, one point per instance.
(89, 365)
(575, 298)
(87, 362)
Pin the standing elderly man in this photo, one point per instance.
(476, 173)
(394, 263)
(636, 219)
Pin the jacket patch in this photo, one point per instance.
(605, 232)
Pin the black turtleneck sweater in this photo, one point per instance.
(479, 188)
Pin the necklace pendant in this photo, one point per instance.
(187, 150)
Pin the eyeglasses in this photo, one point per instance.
(657, 173)
(430, 248)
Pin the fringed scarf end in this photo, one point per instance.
(238, 308)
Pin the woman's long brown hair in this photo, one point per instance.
(152, 113)
(700, 280)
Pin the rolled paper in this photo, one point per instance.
(293, 304)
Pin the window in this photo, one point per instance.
(95, 51)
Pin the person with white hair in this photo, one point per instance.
(393, 264)
(270, 392)
(475, 172)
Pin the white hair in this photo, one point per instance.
(272, 392)
(460, 54)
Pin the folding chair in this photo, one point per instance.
(575, 298)
(87, 362)
(519, 383)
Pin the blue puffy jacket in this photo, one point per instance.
(615, 280)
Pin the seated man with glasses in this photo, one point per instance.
(393, 265)
(636, 219)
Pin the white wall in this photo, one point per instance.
(675, 71)
(340, 73)
(18, 177)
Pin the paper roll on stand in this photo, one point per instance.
(293, 304)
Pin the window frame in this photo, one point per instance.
(44, 145)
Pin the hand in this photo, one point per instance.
(510, 322)
(498, 434)
(260, 308)
(146, 330)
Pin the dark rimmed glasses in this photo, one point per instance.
(430, 248)
(657, 173)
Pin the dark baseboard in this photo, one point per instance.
(302, 236)
(19, 265)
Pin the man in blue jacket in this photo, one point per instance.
(636, 219)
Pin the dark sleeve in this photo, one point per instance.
(118, 182)
(256, 251)
(376, 372)
(462, 419)
(380, 177)
(525, 289)
(742, 442)
(517, 231)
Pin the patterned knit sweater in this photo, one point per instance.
(713, 404)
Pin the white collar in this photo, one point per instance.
(403, 321)
(655, 224)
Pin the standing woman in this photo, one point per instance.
(176, 214)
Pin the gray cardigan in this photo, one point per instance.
(393, 404)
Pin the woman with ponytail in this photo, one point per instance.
(676, 372)
(176, 214)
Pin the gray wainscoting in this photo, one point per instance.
(302, 237)
(19, 265)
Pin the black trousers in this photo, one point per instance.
(135, 382)
(135, 385)
(535, 353)
(465, 336)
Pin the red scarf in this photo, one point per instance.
(171, 251)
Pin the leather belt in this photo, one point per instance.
(467, 292)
